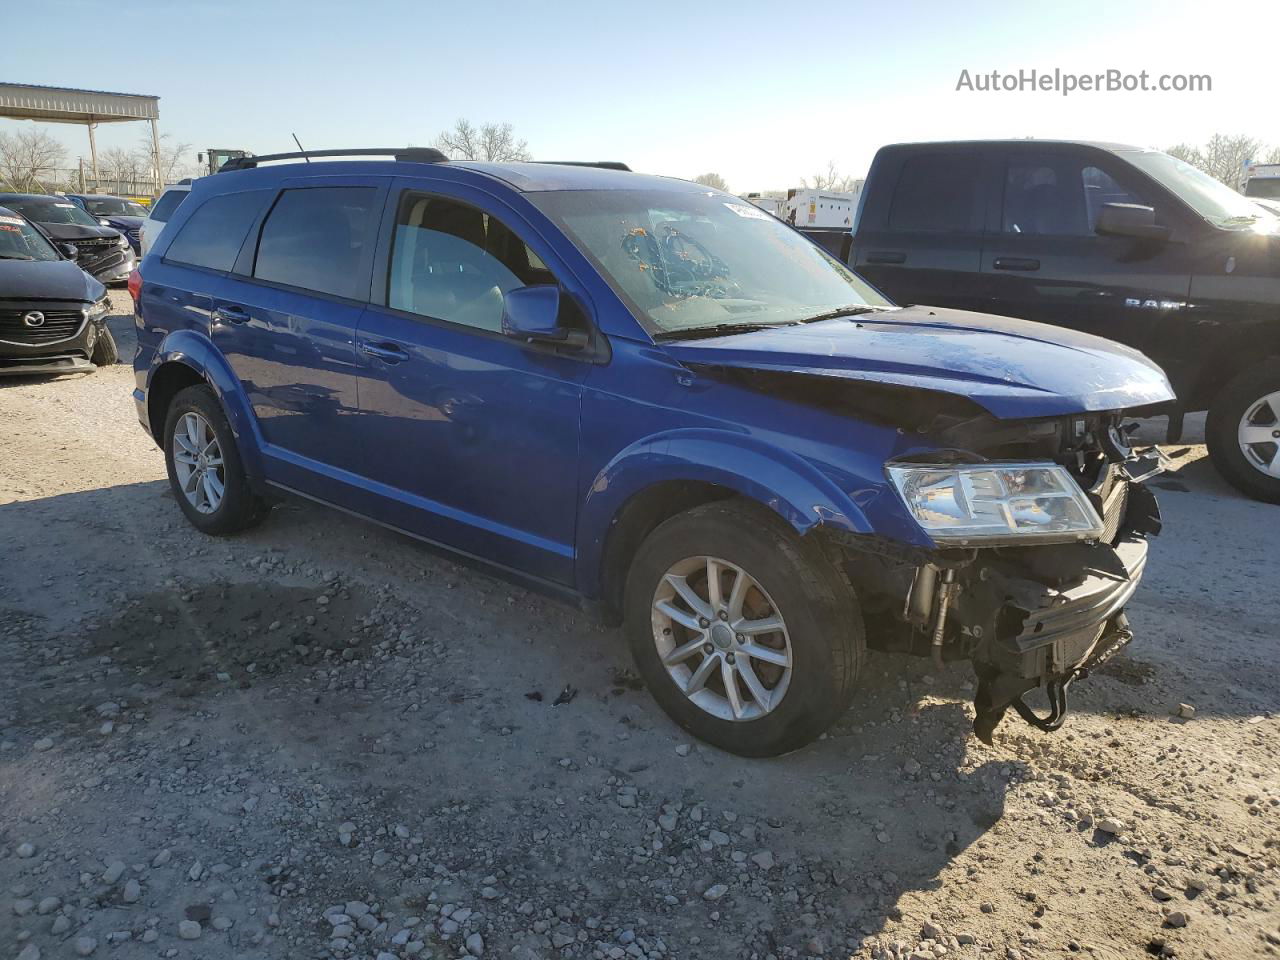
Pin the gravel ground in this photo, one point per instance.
(322, 740)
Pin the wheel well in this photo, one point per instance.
(637, 518)
(1224, 368)
(165, 384)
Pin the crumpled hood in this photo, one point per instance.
(1012, 368)
(123, 222)
(47, 280)
(71, 232)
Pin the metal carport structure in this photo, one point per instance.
(25, 101)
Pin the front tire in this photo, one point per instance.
(205, 470)
(746, 634)
(1243, 432)
(105, 352)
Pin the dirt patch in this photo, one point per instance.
(1125, 669)
(185, 640)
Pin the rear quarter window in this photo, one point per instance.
(211, 237)
(167, 205)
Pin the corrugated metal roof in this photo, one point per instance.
(25, 101)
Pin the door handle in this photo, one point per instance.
(886, 256)
(230, 313)
(386, 351)
(1016, 263)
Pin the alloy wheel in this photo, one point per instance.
(1259, 434)
(721, 638)
(197, 459)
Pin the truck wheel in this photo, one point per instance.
(105, 352)
(746, 635)
(1243, 432)
(204, 465)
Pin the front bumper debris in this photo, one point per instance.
(1047, 616)
(44, 366)
(1025, 616)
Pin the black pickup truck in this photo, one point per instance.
(1123, 242)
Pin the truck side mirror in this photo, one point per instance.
(1129, 220)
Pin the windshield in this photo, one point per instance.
(52, 211)
(19, 240)
(686, 261)
(1268, 188)
(1210, 198)
(114, 207)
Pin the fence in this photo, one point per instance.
(77, 180)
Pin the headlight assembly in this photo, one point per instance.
(996, 503)
(100, 309)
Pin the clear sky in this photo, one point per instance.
(762, 93)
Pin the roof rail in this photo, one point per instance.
(604, 164)
(401, 154)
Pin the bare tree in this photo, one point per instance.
(713, 180)
(173, 161)
(119, 164)
(489, 141)
(1223, 157)
(1274, 155)
(832, 180)
(28, 156)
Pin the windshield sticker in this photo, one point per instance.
(14, 220)
(748, 211)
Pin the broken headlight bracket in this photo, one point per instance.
(990, 712)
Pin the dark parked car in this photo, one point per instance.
(52, 313)
(1122, 242)
(103, 252)
(656, 397)
(119, 213)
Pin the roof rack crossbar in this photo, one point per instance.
(401, 154)
(603, 164)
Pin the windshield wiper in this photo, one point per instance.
(715, 330)
(841, 312)
(15, 256)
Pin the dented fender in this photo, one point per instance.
(794, 488)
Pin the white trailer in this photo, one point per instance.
(1262, 180)
(769, 204)
(821, 209)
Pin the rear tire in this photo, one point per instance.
(206, 473)
(1243, 432)
(105, 351)
(802, 674)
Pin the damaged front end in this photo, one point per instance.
(1035, 607)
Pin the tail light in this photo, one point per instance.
(135, 284)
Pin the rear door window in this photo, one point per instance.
(167, 205)
(938, 193)
(211, 237)
(316, 238)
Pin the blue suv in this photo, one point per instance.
(652, 396)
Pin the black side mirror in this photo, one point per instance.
(1129, 220)
(532, 314)
(69, 250)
